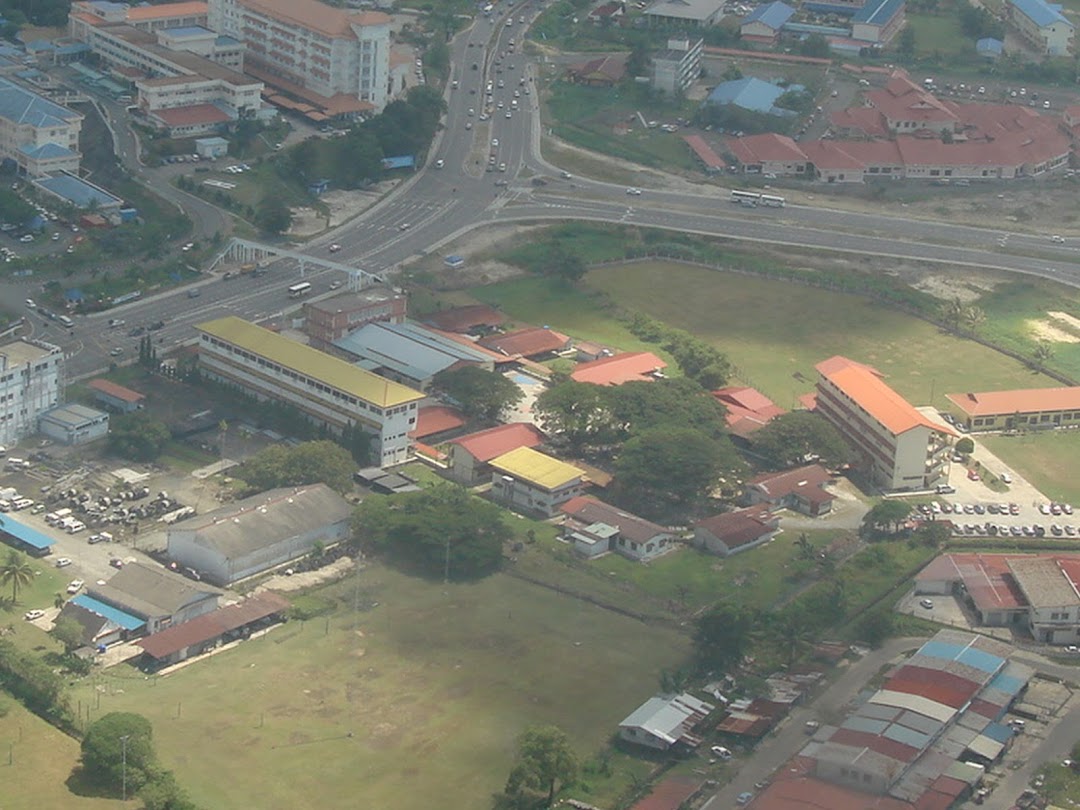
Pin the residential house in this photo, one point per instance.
(768, 153)
(330, 319)
(116, 397)
(530, 342)
(801, 489)
(1021, 409)
(253, 535)
(470, 455)
(31, 375)
(739, 530)
(620, 368)
(603, 71)
(683, 14)
(711, 162)
(410, 353)
(324, 388)
(878, 21)
(1043, 25)
(899, 448)
(534, 482)
(675, 69)
(594, 528)
(666, 722)
(765, 22)
(74, 424)
(141, 596)
(610, 13)
(468, 320)
(748, 410)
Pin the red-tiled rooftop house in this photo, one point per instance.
(731, 532)
(531, 342)
(434, 420)
(801, 489)
(478, 317)
(620, 368)
(115, 396)
(748, 409)
(469, 455)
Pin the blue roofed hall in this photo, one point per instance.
(79, 192)
(24, 535)
(1040, 12)
(400, 162)
(990, 47)
(752, 94)
(24, 107)
(773, 15)
(106, 611)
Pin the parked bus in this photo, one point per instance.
(772, 201)
(745, 197)
(301, 289)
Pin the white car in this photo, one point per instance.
(75, 586)
(635, 192)
(334, 248)
(30, 615)
(404, 226)
(63, 562)
(1005, 478)
(494, 143)
(440, 163)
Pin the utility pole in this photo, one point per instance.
(123, 763)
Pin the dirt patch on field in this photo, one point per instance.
(341, 206)
(478, 248)
(967, 288)
(328, 573)
(1067, 321)
(1045, 330)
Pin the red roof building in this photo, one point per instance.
(748, 409)
(711, 161)
(768, 153)
(193, 120)
(469, 455)
(604, 71)
(435, 419)
(620, 368)
(801, 489)
(533, 341)
(739, 530)
(670, 794)
(116, 396)
(1006, 410)
(587, 523)
(466, 319)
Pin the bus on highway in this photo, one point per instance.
(301, 289)
(772, 201)
(745, 197)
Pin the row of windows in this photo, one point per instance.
(855, 775)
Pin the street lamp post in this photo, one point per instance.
(123, 764)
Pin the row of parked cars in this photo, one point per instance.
(989, 529)
(935, 508)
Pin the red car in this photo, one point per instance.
(972, 475)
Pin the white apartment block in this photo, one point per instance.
(1043, 25)
(326, 389)
(333, 58)
(144, 17)
(31, 374)
(41, 136)
(898, 447)
(675, 69)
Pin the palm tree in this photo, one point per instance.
(953, 311)
(974, 318)
(17, 572)
(807, 551)
(1044, 351)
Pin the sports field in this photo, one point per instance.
(414, 703)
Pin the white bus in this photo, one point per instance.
(745, 197)
(772, 201)
(301, 289)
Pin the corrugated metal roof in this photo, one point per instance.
(981, 660)
(865, 724)
(27, 534)
(1040, 12)
(23, 107)
(907, 736)
(986, 747)
(115, 615)
(320, 366)
(920, 722)
(536, 468)
(408, 348)
(915, 703)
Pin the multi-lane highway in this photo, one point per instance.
(439, 204)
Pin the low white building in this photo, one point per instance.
(666, 722)
(258, 533)
(529, 480)
(30, 384)
(74, 424)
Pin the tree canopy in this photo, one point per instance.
(544, 761)
(723, 635)
(272, 215)
(308, 463)
(639, 406)
(442, 530)
(104, 751)
(17, 572)
(887, 515)
(579, 413)
(479, 393)
(137, 437)
(796, 437)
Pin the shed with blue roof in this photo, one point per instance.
(752, 94)
(989, 48)
(878, 21)
(764, 23)
(1043, 25)
(25, 537)
(80, 193)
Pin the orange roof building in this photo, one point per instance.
(1026, 408)
(620, 368)
(898, 446)
(748, 410)
(469, 455)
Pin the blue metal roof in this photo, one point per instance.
(983, 661)
(400, 162)
(990, 45)
(996, 731)
(187, 31)
(78, 192)
(40, 45)
(73, 48)
(866, 724)
(1040, 12)
(46, 151)
(907, 736)
(773, 15)
(751, 94)
(1008, 684)
(878, 12)
(125, 620)
(407, 348)
(25, 534)
(23, 107)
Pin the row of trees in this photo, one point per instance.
(697, 359)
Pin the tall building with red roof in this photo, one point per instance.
(898, 447)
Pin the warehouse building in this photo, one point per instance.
(1023, 409)
(74, 424)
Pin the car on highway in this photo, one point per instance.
(31, 615)
(335, 285)
(75, 586)
(440, 163)
(634, 192)
(63, 562)
(744, 798)
(468, 125)
(509, 114)
(494, 143)
(30, 303)
(404, 226)
(502, 167)
(116, 352)
(566, 175)
(334, 248)
(114, 322)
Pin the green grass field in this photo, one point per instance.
(413, 704)
(1049, 460)
(774, 332)
(35, 763)
(942, 33)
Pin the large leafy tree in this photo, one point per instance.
(887, 515)
(308, 463)
(137, 436)
(578, 413)
(640, 406)
(668, 468)
(273, 215)
(480, 393)
(17, 572)
(791, 438)
(443, 530)
(117, 743)
(723, 635)
(544, 761)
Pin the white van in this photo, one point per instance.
(66, 321)
(17, 464)
(75, 526)
(53, 518)
(5, 506)
(22, 503)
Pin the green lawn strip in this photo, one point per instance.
(776, 332)
(1062, 784)
(184, 457)
(1048, 460)
(434, 684)
(41, 760)
(422, 474)
(939, 33)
